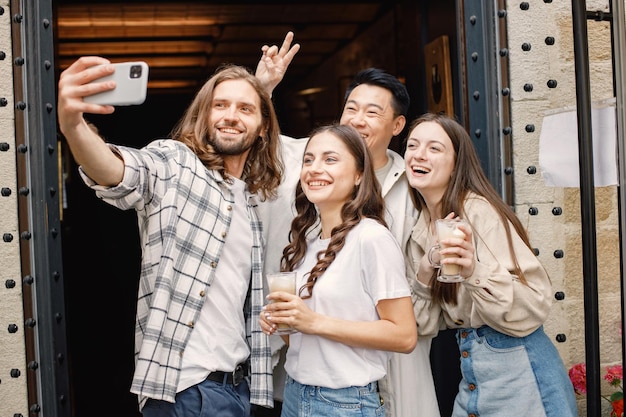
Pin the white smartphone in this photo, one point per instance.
(131, 80)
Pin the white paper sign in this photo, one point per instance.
(558, 146)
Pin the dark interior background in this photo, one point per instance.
(100, 243)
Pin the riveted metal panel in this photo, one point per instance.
(39, 213)
(486, 99)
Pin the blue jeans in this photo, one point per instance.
(206, 399)
(309, 401)
(506, 376)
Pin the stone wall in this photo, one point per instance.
(549, 232)
(13, 389)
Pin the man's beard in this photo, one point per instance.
(232, 147)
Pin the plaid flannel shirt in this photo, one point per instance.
(184, 213)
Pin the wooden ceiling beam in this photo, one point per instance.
(135, 48)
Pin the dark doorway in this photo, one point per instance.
(101, 251)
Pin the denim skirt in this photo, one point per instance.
(312, 401)
(512, 376)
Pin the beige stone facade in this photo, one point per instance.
(563, 232)
(13, 372)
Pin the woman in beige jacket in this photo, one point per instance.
(508, 364)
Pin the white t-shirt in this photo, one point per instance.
(218, 340)
(369, 268)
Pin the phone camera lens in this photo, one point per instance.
(135, 71)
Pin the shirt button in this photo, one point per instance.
(223, 235)
(465, 354)
(472, 387)
(213, 264)
(229, 207)
(202, 293)
(190, 324)
(477, 282)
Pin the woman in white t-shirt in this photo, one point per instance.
(353, 305)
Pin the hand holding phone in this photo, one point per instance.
(131, 80)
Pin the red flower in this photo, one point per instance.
(578, 376)
(617, 401)
(618, 408)
(614, 376)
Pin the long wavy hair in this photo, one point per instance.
(366, 201)
(467, 176)
(263, 169)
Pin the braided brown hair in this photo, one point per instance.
(366, 201)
